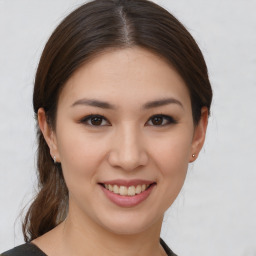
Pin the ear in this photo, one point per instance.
(48, 134)
(199, 135)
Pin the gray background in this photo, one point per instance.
(215, 213)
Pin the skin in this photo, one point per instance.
(126, 145)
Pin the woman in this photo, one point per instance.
(122, 99)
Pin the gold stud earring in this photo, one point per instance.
(193, 155)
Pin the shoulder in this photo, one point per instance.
(27, 249)
(168, 251)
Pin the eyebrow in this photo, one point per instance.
(161, 102)
(94, 103)
(106, 105)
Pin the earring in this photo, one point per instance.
(54, 159)
(193, 155)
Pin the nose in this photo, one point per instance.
(128, 151)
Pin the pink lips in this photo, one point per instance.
(128, 201)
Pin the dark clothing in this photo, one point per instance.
(29, 249)
(168, 251)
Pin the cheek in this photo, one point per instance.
(172, 157)
(80, 155)
(172, 152)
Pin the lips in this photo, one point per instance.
(127, 193)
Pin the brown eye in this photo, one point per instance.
(161, 120)
(157, 120)
(95, 120)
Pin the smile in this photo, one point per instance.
(126, 191)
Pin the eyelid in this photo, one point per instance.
(170, 120)
(85, 120)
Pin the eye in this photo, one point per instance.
(95, 120)
(161, 120)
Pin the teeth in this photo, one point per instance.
(116, 189)
(123, 191)
(131, 191)
(138, 190)
(126, 191)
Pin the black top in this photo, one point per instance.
(29, 249)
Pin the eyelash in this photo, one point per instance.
(89, 118)
(168, 120)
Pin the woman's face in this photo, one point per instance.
(124, 123)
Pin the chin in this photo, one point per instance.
(130, 223)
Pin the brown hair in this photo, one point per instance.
(91, 29)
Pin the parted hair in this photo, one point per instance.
(88, 31)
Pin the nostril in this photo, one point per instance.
(127, 158)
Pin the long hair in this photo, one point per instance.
(90, 30)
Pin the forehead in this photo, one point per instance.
(130, 75)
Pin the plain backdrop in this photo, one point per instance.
(215, 214)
